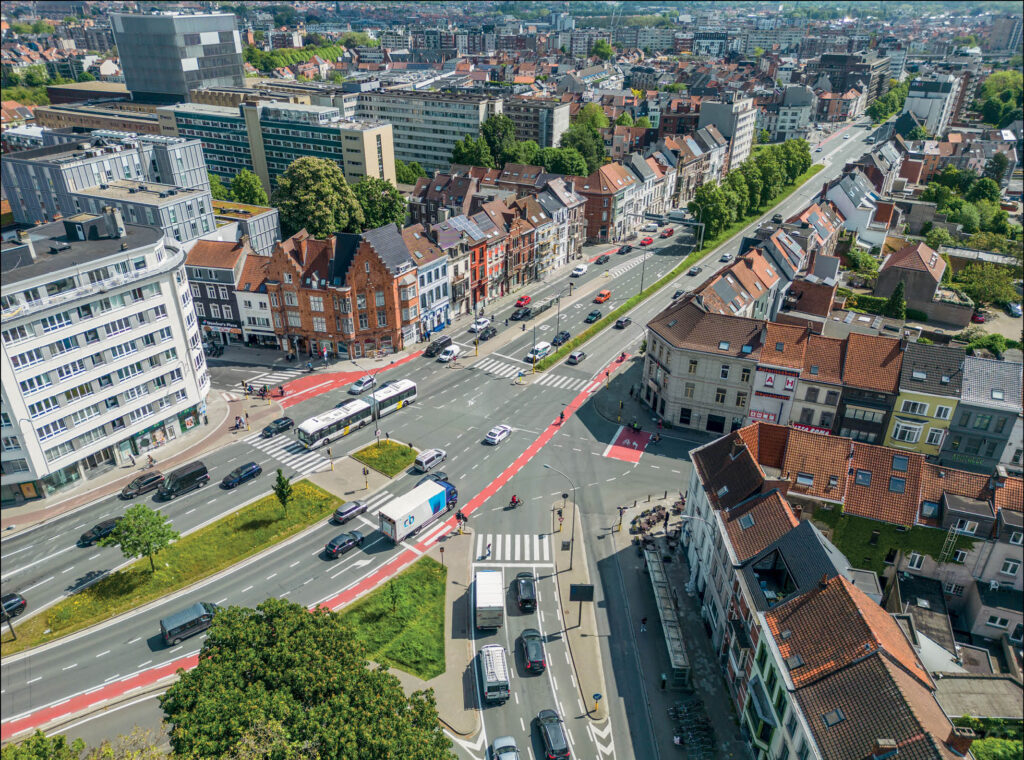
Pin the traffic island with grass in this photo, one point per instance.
(198, 555)
(386, 457)
(402, 622)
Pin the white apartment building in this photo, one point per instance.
(736, 119)
(933, 100)
(101, 353)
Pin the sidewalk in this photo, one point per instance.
(221, 408)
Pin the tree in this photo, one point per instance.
(140, 744)
(917, 133)
(591, 115)
(500, 133)
(624, 119)
(987, 283)
(967, 216)
(525, 152)
(587, 142)
(280, 663)
(472, 151)
(85, 76)
(35, 76)
(217, 188)
(896, 306)
(938, 237)
(642, 121)
(42, 747)
(407, 174)
(381, 202)
(984, 189)
(312, 194)
(710, 206)
(41, 27)
(563, 161)
(142, 532)
(247, 188)
(758, 52)
(601, 49)
(762, 137)
(283, 490)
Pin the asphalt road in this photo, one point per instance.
(455, 409)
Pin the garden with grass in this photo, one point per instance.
(401, 623)
(386, 457)
(198, 555)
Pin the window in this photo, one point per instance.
(688, 390)
(685, 416)
(906, 433)
(811, 395)
(969, 527)
(319, 324)
(832, 398)
(805, 478)
(200, 309)
(316, 303)
(211, 291)
(28, 358)
(914, 407)
(725, 372)
(379, 297)
(364, 322)
(55, 321)
(11, 443)
(50, 430)
(118, 326)
(1017, 538)
(17, 334)
(953, 589)
(900, 463)
(863, 478)
(994, 621)
(294, 320)
(943, 412)
(745, 374)
(982, 421)
(741, 399)
(287, 278)
(214, 310)
(290, 299)
(720, 395)
(226, 312)
(693, 366)
(222, 292)
(934, 437)
(1010, 567)
(35, 384)
(382, 319)
(959, 556)
(915, 561)
(897, 485)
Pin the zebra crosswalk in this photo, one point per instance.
(289, 452)
(508, 369)
(625, 266)
(513, 547)
(277, 377)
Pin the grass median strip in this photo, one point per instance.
(196, 556)
(402, 622)
(386, 457)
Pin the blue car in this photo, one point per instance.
(241, 474)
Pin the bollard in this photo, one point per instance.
(648, 498)
(664, 681)
(634, 503)
(620, 405)
(665, 496)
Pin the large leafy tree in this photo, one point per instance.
(407, 174)
(987, 283)
(625, 119)
(587, 141)
(142, 532)
(381, 202)
(736, 183)
(754, 183)
(772, 174)
(642, 121)
(312, 194)
(247, 188)
(710, 206)
(218, 189)
(526, 152)
(473, 151)
(500, 133)
(984, 189)
(283, 667)
(995, 167)
(42, 747)
(602, 50)
(591, 115)
(563, 161)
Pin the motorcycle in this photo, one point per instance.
(309, 367)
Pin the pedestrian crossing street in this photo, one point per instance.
(289, 452)
(507, 369)
(625, 266)
(513, 547)
(277, 377)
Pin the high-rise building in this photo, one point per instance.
(165, 55)
(735, 118)
(541, 120)
(101, 354)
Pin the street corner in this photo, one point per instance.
(628, 445)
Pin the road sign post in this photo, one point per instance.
(597, 699)
(442, 556)
(366, 477)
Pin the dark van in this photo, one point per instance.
(188, 622)
(183, 480)
(438, 345)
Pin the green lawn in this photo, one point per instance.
(196, 556)
(387, 457)
(401, 623)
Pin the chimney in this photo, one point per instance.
(884, 748)
(26, 240)
(244, 241)
(738, 446)
(960, 739)
(823, 584)
(115, 222)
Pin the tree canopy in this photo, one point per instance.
(381, 203)
(601, 49)
(407, 174)
(218, 189)
(563, 161)
(301, 679)
(987, 283)
(312, 193)
(473, 151)
(591, 115)
(142, 532)
(247, 188)
(625, 119)
(500, 134)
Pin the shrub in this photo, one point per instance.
(917, 315)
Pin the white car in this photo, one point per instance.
(504, 748)
(846, 136)
(449, 354)
(497, 434)
(726, 257)
(579, 271)
(538, 352)
(362, 385)
(479, 324)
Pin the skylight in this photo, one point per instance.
(780, 346)
(814, 369)
(746, 522)
(900, 463)
(805, 478)
(724, 346)
(919, 375)
(997, 394)
(833, 717)
(723, 491)
(747, 349)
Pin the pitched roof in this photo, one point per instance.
(253, 276)
(918, 257)
(825, 458)
(813, 297)
(784, 345)
(823, 360)
(990, 382)
(756, 523)
(421, 247)
(873, 362)
(728, 470)
(932, 369)
(687, 325)
(879, 474)
(219, 254)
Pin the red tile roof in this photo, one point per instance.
(873, 363)
(877, 500)
(757, 523)
(215, 253)
(917, 257)
(826, 458)
(823, 360)
(784, 345)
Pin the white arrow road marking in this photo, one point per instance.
(360, 563)
(472, 747)
(606, 732)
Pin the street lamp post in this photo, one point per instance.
(572, 530)
(558, 306)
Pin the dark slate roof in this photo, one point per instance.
(801, 554)
(992, 383)
(386, 241)
(924, 601)
(1004, 597)
(932, 369)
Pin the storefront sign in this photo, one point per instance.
(757, 414)
(811, 428)
(223, 329)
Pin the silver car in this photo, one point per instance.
(504, 748)
(362, 385)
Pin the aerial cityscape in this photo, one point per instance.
(511, 381)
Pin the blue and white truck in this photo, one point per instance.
(408, 514)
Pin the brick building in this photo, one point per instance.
(213, 268)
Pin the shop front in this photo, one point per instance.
(224, 333)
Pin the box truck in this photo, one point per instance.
(489, 604)
(408, 514)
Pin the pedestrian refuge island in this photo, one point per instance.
(679, 679)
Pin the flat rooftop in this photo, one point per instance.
(140, 192)
(232, 210)
(100, 88)
(106, 140)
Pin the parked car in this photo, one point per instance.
(647, 241)
(625, 249)
(487, 333)
(602, 296)
(1014, 309)
(533, 650)
(525, 586)
(362, 385)
(667, 232)
(497, 434)
(524, 312)
(623, 323)
(604, 258)
(552, 734)
(560, 338)
(479, 324)
(11, 605)
(652, 227)
(694, 271)
(593, 316)
(239, 475)
(978, 317)
(149, 481)
(341, 544)
(98, 531)
(278, 426)
(777, 219)
(579, 270)
(523, 300)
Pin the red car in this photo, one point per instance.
(978, 317)
(523, 300)
(647, 241)
(667, 233)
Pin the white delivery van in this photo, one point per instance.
(489, 602)
(493, 666)
(539, 351)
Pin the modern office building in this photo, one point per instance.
(265, 137)
(426, 125)
(735, 117)
(46, 182)
(933, 99)
(101, 355)
(541, 120)
(106, 116)
(165, 55)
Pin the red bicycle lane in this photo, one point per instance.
(308, 386)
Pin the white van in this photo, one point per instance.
(579, 270)
(429, 459)
(650, 228)
(539, 351)
(493, 673)
(450, 353)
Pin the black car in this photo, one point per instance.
(593, 316)
(777, 219)
(341, 544)
(487, 333)
(523, 312)
(11, 605)
(241, 474)
(533, 650)
(604, 258)
(142, 484)
(625, 249)
(678, 293)
(560, 338)
(278, 426)
(623, 323)
(98, 531)
(556, 746)
(526, 591)
(437, 476)
(694, 271)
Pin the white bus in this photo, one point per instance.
(393, 396)
(334, 424)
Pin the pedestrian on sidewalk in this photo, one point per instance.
(666, 522)
(247, 419)
(132, 458)
(643, 625)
